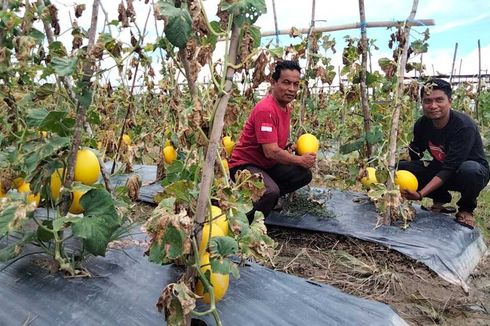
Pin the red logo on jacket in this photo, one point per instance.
(437, 151)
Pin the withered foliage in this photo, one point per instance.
(177, 300)
(133, 185)
(259, 75)
(79, 9)
(55, 23)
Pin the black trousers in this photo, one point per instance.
(469, 180)
(279, 180)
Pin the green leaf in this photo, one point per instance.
(50, 147)
(114, 22)
(54, 121)
(42, 233)
(375, 136)
(57, 49)
(178, 28)
(37, 35)
(64, 66)
(223, 246)
(35, 117)
(352, 146)
(212, 38)
(371, 79)
(95, 234)
(170, 247)
(238, 220)
(59, 223)
(276, 52)
(256, 35)
(45, 90)
(180, 190)
(245, 11)
(6, 216)
(84, 94)
(419, 46)
(14, 249)
(221, 266)
(99, 223)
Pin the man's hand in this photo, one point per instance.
(291, 148)
(308, 160)
(411, 195)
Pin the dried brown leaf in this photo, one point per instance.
(133, 185)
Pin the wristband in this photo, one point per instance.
(420, 195)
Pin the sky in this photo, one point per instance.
(464, 22)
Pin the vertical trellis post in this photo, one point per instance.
(275, 21)
(395, 121)
(478, 88)
(308, 62)
(364, 93)
(452, 66)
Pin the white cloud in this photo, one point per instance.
(458, 23)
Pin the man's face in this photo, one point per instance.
(285, 88)
(436, 105)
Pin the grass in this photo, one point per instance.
(482, 213)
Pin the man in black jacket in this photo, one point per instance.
(454, 141)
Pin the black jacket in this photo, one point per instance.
(450, 146)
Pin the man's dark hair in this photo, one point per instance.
(434, 85)
(282, 65)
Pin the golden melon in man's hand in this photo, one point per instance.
(307, 143)
(406, 180)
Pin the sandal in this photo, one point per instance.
(466, 219)
(439, 208)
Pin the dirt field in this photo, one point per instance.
(371, 271)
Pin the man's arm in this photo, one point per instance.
(459, 148)
(274, 152)
(433, 184)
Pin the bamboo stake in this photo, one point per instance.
(418, 22)
(371, 71)
(478, 88)
(396, 116)
(459, 70)
(364, 95)
(81, 114)
(308, 63)
(275, 21)
(452, 66)
(129, 111)
(216, 131)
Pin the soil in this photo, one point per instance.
(371, 271)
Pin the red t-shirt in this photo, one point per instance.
(268, 123)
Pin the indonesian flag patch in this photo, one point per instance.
(267, 127)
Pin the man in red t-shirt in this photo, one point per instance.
(262, 147)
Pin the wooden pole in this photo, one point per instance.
(275, 21)
(478, 88)
(373, 89)
(81, 113)
(389, 200)
(308, 63)
(418, 22)
(452, 66)
(459, 70)
(364, 96)
(216, 131)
